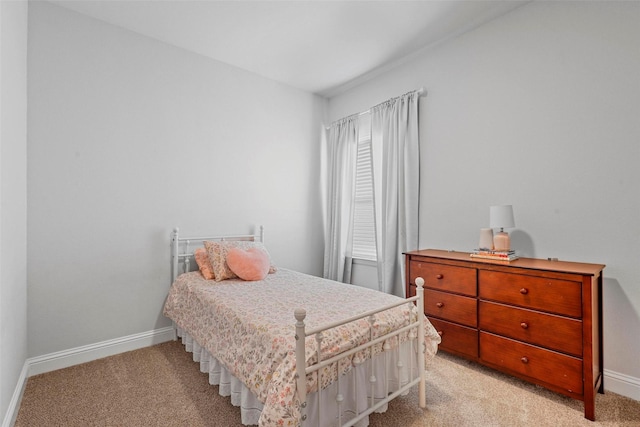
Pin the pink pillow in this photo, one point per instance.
(204, 265)
(248, 264)
(217, 252)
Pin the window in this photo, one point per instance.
(364, 226)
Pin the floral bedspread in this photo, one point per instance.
(250, 328)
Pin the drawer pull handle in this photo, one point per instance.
(524, 291)
(524, 359)
(439, 276)
(524, 325)
(439, 304)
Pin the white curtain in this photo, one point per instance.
(397, 174)
(341, 152)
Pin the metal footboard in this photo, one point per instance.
(415, 330)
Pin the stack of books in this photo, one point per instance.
(494, 255)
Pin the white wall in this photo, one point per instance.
(130, 137)
(540, 109)
(13, 198)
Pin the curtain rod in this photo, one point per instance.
(419, 92)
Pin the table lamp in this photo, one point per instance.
(501, 217)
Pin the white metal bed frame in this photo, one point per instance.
(182, 249)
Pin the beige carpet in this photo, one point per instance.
(162, 386)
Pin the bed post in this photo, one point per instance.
(301, 363)
(422, 391)
(174, 270)
(174, 254)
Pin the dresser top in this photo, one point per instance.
(531, 263)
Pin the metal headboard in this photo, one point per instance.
(182, 247)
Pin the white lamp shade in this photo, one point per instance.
(501, 217)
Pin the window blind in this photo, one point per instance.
(364, 228)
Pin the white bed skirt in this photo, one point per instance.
(251, 407)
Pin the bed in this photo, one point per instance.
(293, 349)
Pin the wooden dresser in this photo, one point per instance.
(536, 319)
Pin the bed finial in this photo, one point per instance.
(300, 314)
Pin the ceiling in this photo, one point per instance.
(321, 46)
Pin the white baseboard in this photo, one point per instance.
(622, 384)
(75, 356)
(12, 410)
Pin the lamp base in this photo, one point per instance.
(501, 241)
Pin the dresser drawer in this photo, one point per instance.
(453, 307)
(461, 280)
(456, 339)
(551, 295)
(545, 330)
(543, 365)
